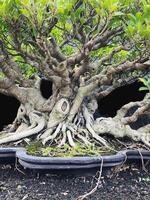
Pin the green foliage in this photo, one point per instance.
(28, 70)
(146, 83)
(68, 50)
(36, 11)
(29, 17)
(139, 21)
(34, 148)
(9, 8)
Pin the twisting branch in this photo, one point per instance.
(91, 45)
(110, 55)
(11, 70)
(127, 66)
(107, 77)
(140, 111)
(55, 51)
(105, 90)
(143, 108)
(10, 67)
(78, 71)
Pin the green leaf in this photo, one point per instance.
(138, 16)
(131, 29)
(143, 88)
(119, 13)
(132, 18)
(143, 80)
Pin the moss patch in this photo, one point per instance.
(38, 149)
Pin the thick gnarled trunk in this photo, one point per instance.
(71, 120)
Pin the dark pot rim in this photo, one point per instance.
(56, 163)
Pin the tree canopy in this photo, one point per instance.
(76, 26)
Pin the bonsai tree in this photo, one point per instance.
(87, 49)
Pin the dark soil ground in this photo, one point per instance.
(129, 182)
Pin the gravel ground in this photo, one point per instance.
(121, 183)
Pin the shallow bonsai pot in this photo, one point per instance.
(9, 155)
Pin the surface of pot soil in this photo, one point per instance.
(128, 182)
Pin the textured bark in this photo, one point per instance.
(71, 120)
(119, 125)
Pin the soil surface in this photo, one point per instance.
(127, 182)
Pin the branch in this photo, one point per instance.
(10, 67)
(78, 71)
(127, 66)
(5, 83)
(41, 64)
(91, 45)
(143, 108)
(107, 76)
(110, 55)
(86, 66)
(105, 90)
(55, 51)
(140, 111)
(12, 71)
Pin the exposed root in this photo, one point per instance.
(34, 118)
(84, 140)
(22, 127)
(115, 127)
(56, 127)
(70, 133)
(52, 136)
(63, 141)
(47, 133)
(61, 132)
(89, 124)
(70, 139)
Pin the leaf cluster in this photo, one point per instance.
(146, 83)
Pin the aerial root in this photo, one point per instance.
(48, 136)
(70, 139)
(79, 129)
(89, 124)
(63, 141)
(37, 124)
(54, 133)
(96, 136)
(47, 133)
(84, 140)
(67, 132)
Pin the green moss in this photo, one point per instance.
(66, 151)
(34, 148)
